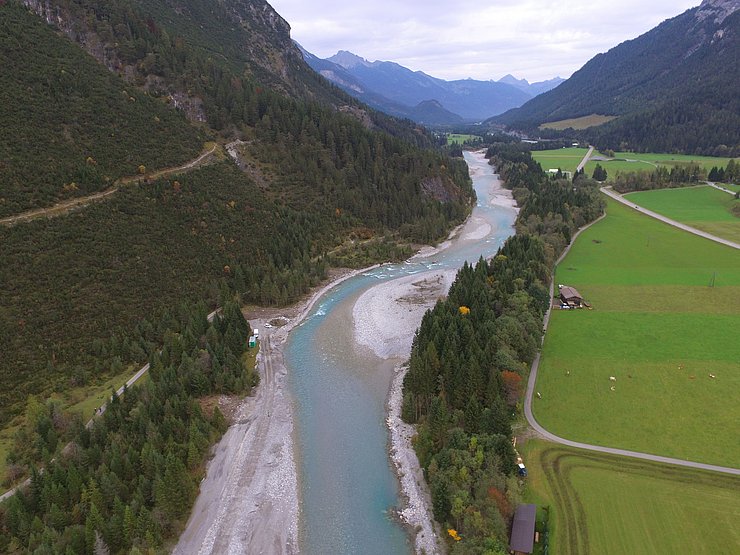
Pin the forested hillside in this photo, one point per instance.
(472, 352)
(675, 88)
(69, 126)
(83, 295)
(126, 484)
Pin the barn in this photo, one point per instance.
(570, 297)
(522, 530)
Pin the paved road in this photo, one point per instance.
(598, 448)
(616, 196)
(585, 159)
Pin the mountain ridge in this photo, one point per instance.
(397, 90)
(674, 87)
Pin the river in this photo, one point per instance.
(348, 487)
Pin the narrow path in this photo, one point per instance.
(585, 158)
(67, 206)
(598, 448)
(616, 196)
(728, 191)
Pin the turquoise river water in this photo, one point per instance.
(347, 483)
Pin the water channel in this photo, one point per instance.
(347, 484)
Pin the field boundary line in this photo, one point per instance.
(619, 198)
(531, 382)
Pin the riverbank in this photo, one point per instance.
(248, 501)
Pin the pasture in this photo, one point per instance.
(606, 504)
(567, 159)
(666, 310)
(635, 161)
(584, 122)
(704, 208)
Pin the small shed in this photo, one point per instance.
(522, 530)
(570, 297)
(252, 341)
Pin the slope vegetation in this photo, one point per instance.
(674, 88)
(70, 127)
(83, 295)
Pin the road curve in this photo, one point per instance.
(598, 448)
(616, 196)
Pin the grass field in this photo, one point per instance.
(660, 329)
(567, 159)
(578, 123)
(615, 505)
(731, 186)
(458, 138)
(633, 161)
(704, 208)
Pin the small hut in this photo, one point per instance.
(570, 297)
(522, 530)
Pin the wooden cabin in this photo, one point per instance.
(522, 529)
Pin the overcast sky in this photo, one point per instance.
(482, 39)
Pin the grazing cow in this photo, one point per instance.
(613, 388)
(538, 395)
(712, 376)
(612, 379)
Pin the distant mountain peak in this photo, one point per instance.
(348, 60)
(509, 79)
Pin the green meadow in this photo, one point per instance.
(704, 208)
(634, 161)
(606, 504)
(583, 122)
(459, 138)
(666, 312)
(567, 159)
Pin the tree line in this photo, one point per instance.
(472, 351)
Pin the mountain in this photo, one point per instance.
(397, 90)
(532, 89)
(675, 88)
(102, 96)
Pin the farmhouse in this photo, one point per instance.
(570, 297)
(522, 530)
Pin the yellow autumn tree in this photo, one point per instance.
(464, 310)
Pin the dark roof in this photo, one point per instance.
(522, 531)
(569, 293)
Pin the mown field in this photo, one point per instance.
(583, 122)
(616, 505)
(660, 328)
(704, 208)
(567, 159)
(634, 161)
